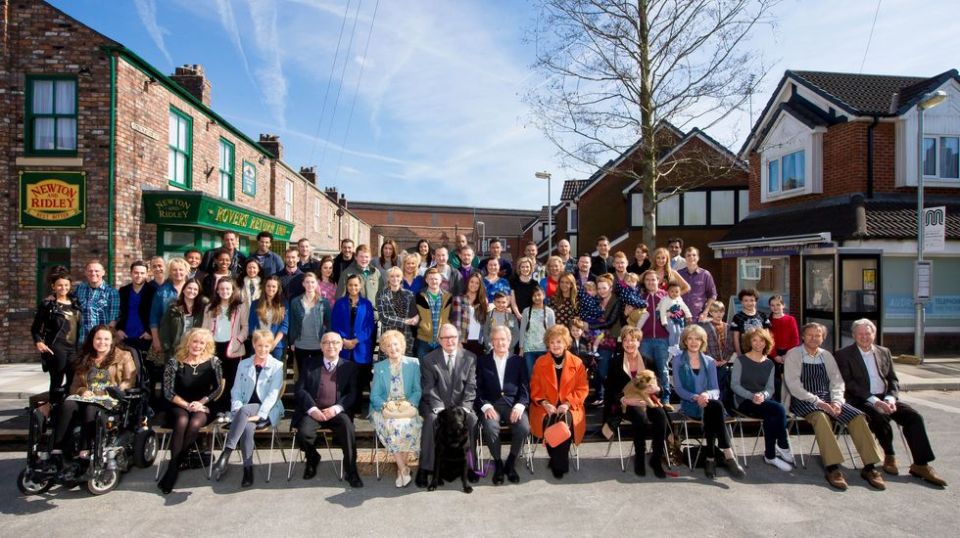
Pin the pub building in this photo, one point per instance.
(833, 205)
(108, 158)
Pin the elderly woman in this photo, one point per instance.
(254, 403)
(102, 367)
(397, 308)
(192, 379)
(558, 389)
(752, 385)
(646, 421)
(394, 398)
(816, 389)
(695, 381)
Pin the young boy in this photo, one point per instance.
(501, 315)
(748, 317)
(590, 312)
(719, 347)
(674, 314)
(783, 328)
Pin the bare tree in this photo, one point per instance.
(612, 70)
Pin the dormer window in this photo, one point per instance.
(941, 157)
(786, 173)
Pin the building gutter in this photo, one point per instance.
(112, 172)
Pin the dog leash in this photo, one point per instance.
(471, 464)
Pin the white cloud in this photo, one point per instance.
(229, 23)
(273, 85)
(147, 11)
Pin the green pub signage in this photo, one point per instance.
(53, 200)
(201, 210)
(249, 179)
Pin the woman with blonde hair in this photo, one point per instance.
(551, 281)
(192, 378)
(394, 399)
(412, 280)
(665, 275)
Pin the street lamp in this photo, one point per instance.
(546, 175)
(483, 236)
(927, 102)
(339, 226)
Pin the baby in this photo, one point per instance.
(644, 387)
(630, 296)
(674, 314)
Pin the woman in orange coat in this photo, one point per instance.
(558, 388)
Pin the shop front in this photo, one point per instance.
(190, 219)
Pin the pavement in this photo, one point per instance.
(599, 499)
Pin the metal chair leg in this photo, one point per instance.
(623, 466)
(330, 453)
(273, 436)
(165, 456)
(376, 454)
(293, 455)
(529, 453)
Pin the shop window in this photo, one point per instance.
(943, 310)
(769, 276)
(50, 123)
(227, 153)
(180, 142)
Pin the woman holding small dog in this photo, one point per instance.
(394, 397)
(558, 390)
(646, 415)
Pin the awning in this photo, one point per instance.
(787, 245)
(192, 208)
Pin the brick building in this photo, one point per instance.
(833, 175)
(106, 157)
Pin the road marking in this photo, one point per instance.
(931, 403)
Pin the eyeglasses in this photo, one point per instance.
(448, 337)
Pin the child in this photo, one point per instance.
(748, 317)
(590, 312)
(501, 315)
(674, 314)
(534, 322)
(719, 347)
(783, 328)
(582, 346)
(630, 296)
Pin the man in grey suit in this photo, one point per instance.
(448, 376)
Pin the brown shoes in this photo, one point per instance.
(927, 473)
(874, 478)
(835, 478)
(890, 465)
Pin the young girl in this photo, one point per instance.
(785, 337)
(633, 304)
(674, 314)
(536, 319)
(227, 318)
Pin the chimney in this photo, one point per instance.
(331, 193)
(343, 201)
(192, 79)
(271, 143)
(309, 173)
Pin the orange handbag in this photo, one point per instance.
(557, 433)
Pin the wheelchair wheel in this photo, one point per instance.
(144, 448)
(105, 483)
(27, 486)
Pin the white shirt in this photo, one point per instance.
(501, 365)
(473, 326)
(677, 263)
(877, 385)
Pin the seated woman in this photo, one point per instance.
(271, 311)
(558, 389)
(752, 385)
(254, 403)
(192, 379)
(816, 390)
(102, 365)
(394, 399)
(646, 420)
(695, 381)
(353, 319)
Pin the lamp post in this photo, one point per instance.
(339, 226)
(546, 175)
(483, 236)
(927, 102)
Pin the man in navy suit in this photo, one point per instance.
(503, 394)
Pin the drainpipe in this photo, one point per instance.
(112, 174)
(870, 139)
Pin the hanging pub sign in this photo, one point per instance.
(249, 179)
(53, 200)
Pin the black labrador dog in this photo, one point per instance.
(450, 457)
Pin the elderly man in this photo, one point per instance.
(448, 376)
(872, 387)
(503, 395)
(326, 391)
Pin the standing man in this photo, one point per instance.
(326, 390)
(291, 277)
(602, 263)
(136, 298)
(496, 250)
(157, 270)
(503, 395)
(99, 302)
(467, 258)
(563, 250)
(450, 277)
(344, 259)
(675, 246)
(456, 260)
(194, 260)
(307, 263)
(433, 309)
(270, 261)
(369, 275)
(871, 385)
(230, 242)
(448, 376)
(703, 290)
(583, 271)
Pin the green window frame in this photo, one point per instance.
(227, 169)
(47, 259)
(41, 107)
(180, 142)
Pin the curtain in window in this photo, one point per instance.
(66, 97)
(773, 176)
(43, 133)
(930, 156)
(66, 133)
(42, 97)
(949, 153)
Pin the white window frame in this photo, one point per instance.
(789, 136)
(317, 208)
(937, 147)
(572, 215)
(288, 199)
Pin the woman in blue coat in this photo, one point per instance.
(353, 319)
(254, 403)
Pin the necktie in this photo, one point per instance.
(450, 363)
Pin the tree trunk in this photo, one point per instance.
(648, 146)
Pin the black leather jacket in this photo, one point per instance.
(50, 323)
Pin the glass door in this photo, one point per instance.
(819, 285)
(860, 293)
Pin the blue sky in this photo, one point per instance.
(437, 115)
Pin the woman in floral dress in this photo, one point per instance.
(394, 398)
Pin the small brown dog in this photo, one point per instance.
(644, 387)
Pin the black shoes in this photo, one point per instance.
(247, 477)
(422, 479)
(473, 477)
(639, 467)
(220, 468)
(354, 480)
(169, 478)
(656, 464)
(710, 468)
(497, 472)
(310, 470)
(510, 469)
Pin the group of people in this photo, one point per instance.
(514, 343)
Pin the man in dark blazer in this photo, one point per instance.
(326, 391)
(503, 394)
(872, 386)
(448, 376)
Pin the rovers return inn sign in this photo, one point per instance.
(53, 200)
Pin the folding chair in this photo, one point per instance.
(526, 452)
(272, 428)
(687, 446)
(297, 456)
(535, 443)
(623, 459)
(745, 419)
(166, 437)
